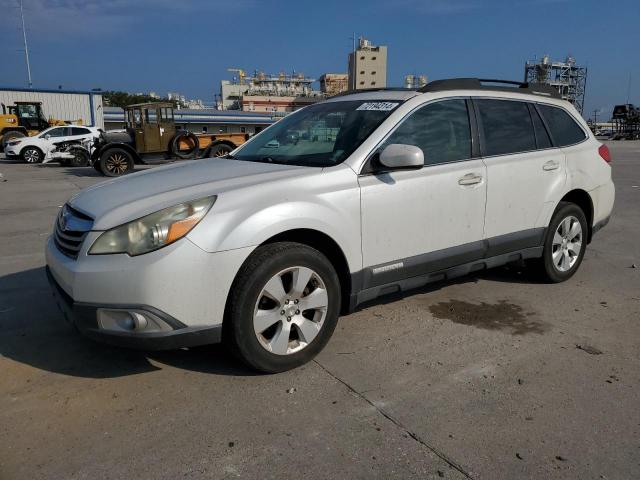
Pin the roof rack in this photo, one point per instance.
(489, 84)
(367, 90)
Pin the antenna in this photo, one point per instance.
(26, 46)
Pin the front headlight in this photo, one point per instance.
(13, 143)
(154, 231)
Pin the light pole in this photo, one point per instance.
(26, 46)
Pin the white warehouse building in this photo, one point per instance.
(68, 105)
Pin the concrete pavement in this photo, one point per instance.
(493, 376)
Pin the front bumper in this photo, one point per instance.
(85, 318)
(180, 287)
(11, 154)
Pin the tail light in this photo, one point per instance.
(605, 153)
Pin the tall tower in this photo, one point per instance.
(568, 78)
(367, 66)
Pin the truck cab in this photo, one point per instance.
(151, 126)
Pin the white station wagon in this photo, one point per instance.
(337, 204)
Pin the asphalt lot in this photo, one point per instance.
(494, 376)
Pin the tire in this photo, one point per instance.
(219, 150)
(32, 155)
(189, 154)
(261, 343)
(80, 157)
(115, 162)
(561, 256)
(7, 137)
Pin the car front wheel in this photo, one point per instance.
(283, 307)
(32, 155)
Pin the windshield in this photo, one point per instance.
(320, 135)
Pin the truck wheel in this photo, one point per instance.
(115, 162)
(32, 155)
(283, 307)
(219, 150)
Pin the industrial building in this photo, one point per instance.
(334, 83)
(367, 66)
(202, 121)
(68, 105)
(568, 78)
(264, 92)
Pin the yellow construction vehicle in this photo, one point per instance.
(25, 119)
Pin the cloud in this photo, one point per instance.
(67, 18)
(453, 7)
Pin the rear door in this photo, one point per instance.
(525, 175)
(419, 221)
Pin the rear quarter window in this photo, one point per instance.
(564, 129)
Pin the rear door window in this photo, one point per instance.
(564, 129)
(506, 127)
(79, 131)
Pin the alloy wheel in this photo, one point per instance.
(31, 155)
(567, 244)
(290, 310)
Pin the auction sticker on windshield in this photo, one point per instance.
(378, 106)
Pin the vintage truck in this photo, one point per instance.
(150, 136)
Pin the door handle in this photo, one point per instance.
(551, 165)
(470, 179)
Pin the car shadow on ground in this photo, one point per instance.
(35, 333)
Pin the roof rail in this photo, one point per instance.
(490, 84)
(366, 90)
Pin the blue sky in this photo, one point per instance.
(187, 45)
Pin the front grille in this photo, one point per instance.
(70, 230)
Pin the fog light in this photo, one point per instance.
(139, 321)
(133, 321)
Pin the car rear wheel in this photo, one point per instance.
(283, 307)
(115, 162)
(565, 243)
(32, 155)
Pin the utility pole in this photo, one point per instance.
(352, 77)
(595, 119)
(26, 46)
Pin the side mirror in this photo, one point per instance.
(47, 136)
(399, 156)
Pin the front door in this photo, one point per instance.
(420, 221)
(152, 139)
(166, 127)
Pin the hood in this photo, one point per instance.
(123, 199)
